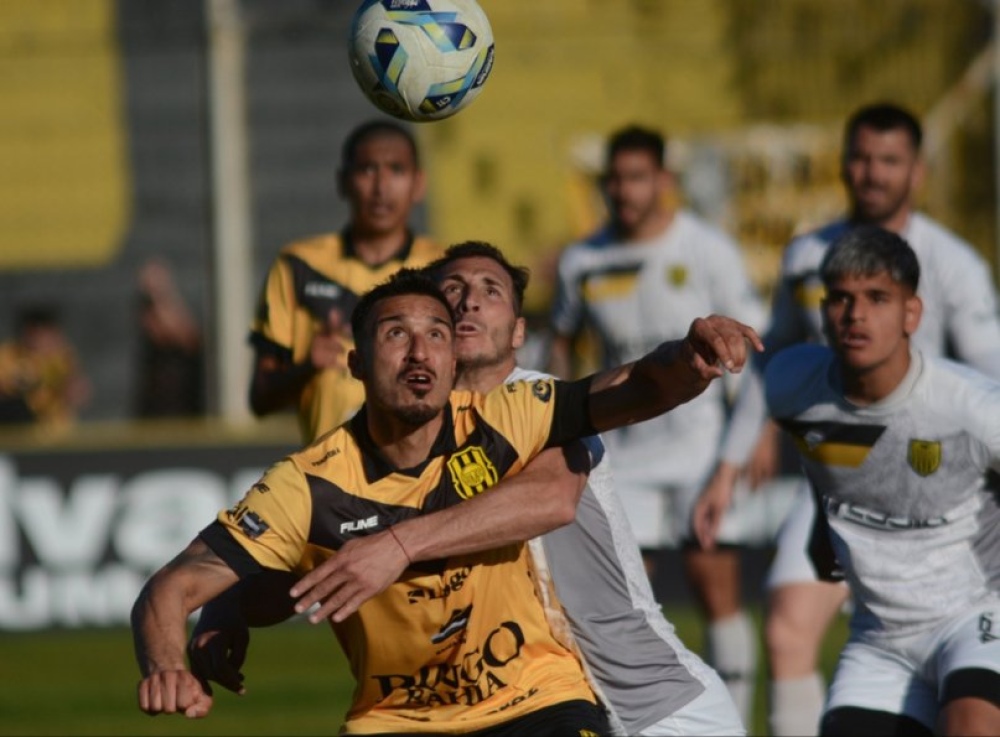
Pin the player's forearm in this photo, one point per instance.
(158, 626)
(279, 388)
(658, 382)
(540, 499)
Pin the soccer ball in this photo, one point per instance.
(421, 60)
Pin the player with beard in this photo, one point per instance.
(649, 681)
(635, 282)
(882, 170)
(412, 647)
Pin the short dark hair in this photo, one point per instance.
(868, 250)
(519, 275)
(636, 138)
(349, 149)
(883, 117)
(403, 282)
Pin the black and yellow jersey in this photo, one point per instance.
(308, 279)
(455, 645)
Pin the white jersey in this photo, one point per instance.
(901, 483)
(638, 665)
(638, 295)
(960, 312)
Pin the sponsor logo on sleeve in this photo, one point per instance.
(249, 522)
(542, 389)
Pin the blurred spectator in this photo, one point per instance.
(40, 379)
(171, 359)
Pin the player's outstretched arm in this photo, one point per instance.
(159, 619)
(672, 374)
(540, 498)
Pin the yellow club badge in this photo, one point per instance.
(472, 472)
(924, 456)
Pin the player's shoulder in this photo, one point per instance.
(936, 244)
(590, 246)
(793, 375)
(314, 250)
(423, 250)
(957, 388)
(327, 451)
(805, 251)
(690, 225)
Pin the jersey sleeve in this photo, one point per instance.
(271, 522)
(540, 413)
(733, 294)
(749, 413)
(273, 325)
(972, 323)
(567, 305)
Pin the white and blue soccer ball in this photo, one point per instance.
(421, 60)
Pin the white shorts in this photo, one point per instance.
(661, 516)
(907, 679)
(791, 563)
(712, 713)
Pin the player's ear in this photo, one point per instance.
(913, 309)
(356, 365)
(917, 175)
(419, 186)
(520, 331)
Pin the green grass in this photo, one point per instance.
(68, 682)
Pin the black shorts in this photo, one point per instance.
(568, 719)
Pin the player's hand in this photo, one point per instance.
(716, 344)
(364, 567)
(712, 504)
(217, 654)
(329, 346)
(173, 692)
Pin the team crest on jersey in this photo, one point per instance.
(924, 456)
(677, 275)
(472, 472)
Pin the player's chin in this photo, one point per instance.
(419, 412)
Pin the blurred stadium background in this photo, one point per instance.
(207, 132)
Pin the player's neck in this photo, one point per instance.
(377, 248)
(651, 227)
(895, 223)
(485, 378)
(402, 444)
(864, 388)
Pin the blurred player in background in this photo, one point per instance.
(638, 281)
(301, 335)
(882, 170)
(171, 380)
(896, 446)
(40, 378)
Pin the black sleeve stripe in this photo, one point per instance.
(266, 346)
(572, 413)
(220, 540)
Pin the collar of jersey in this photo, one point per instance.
(374, 463)
(401, 255)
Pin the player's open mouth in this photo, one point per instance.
(854, 340)
(421, 379)
(466, 328)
